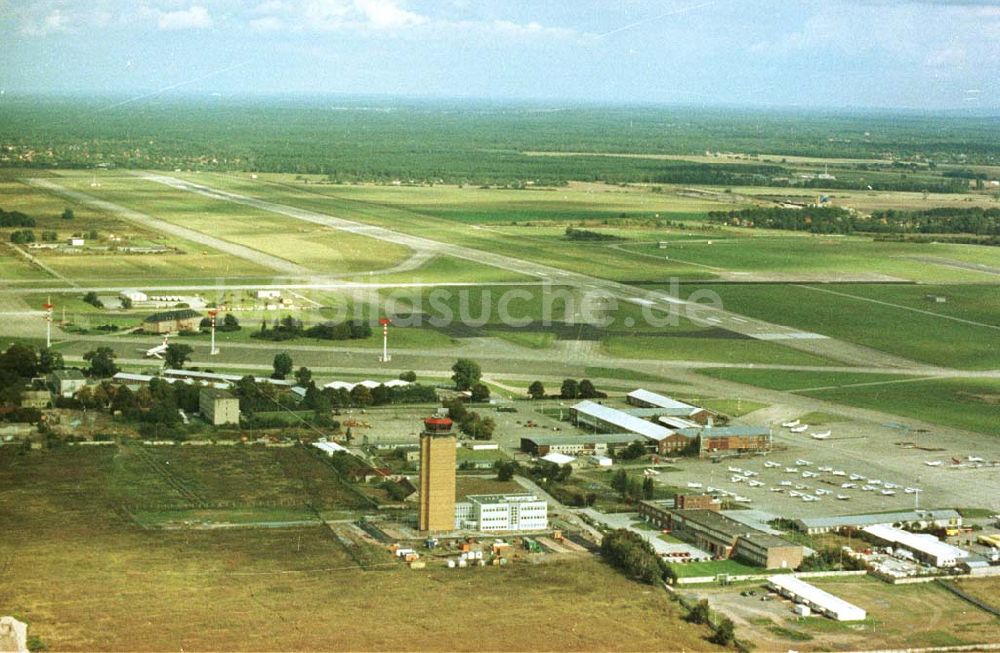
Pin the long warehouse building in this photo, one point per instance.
(818, 600)
(924, 547)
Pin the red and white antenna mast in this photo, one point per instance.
(48, 306)
(211, 315)
(385, 322)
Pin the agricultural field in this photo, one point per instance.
(225, 589)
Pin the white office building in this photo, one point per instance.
(502, 512)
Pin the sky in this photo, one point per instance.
(919, 54)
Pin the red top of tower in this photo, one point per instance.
(437, 424)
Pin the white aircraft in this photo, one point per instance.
(791, 424)
(868, 488)
(649, 471)
(857, 477)
(843, 497)
(739, 499)
(736, 479)
(785, 483)
(888, 493)
(820, 436)
(799, 429)
(803, 463)
(890, 486)
(874, 481)
(911, 490)
(808, 474)
(736, 470)
(694, 485)
(820, 491)
(793, 493)
(839, 472)
(848, 486)
(755, 483)
(777, 489)
(748, 473)
(771, 463)
(932, 463)
(975, 459)
(809, 497)
(791, 470)
(825, 469)
(159, 350)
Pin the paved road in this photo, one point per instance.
(655, 300)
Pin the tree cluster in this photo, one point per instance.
(18, 365)
(288, 328)
(633, 489)
(830, 559)
(22, 236)
(629, 552)
(586, 235)
(466, 373)
(15, 219)
(470, 422)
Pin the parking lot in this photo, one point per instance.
(865, 465)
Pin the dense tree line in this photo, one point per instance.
(837, 220)
(432, 142)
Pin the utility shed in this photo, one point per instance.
(818, 600)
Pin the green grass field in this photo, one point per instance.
(791, 380)
(714, 568)
(814, 256)
(843, 312)
(961, 403)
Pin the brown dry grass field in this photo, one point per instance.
(85, 578)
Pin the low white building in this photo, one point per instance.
(329, 448)
(502, 512)
(558, 459)
(815, 599)
(134, 295)
(268, 294)
(924, 547)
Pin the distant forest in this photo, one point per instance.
(835, 220)
(486, 144)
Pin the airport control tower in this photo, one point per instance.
(437, 475)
